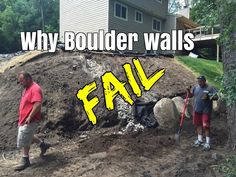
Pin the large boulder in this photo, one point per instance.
(179, 103)
(166, 113)
(218, 108)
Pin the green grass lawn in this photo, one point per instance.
(209, 68)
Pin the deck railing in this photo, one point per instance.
(205, 32)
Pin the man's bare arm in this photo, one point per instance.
(35, 110)
(190, 94)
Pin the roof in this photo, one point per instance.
(187, 22)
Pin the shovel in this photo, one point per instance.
(177, 135)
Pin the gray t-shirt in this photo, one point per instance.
(201, 105)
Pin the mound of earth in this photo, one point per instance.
(80, 149)
(62, 74)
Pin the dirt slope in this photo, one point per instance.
(100, 151)
(62, 74)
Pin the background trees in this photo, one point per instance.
(205, 12)
(25, 15)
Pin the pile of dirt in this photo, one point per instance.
(80, 149)
(62, 74)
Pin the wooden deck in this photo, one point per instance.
(204, 34)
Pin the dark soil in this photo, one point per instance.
(80, 149)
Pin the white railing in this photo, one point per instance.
(205, 32)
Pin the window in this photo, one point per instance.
(121, 11)
(138, 16)
(156, 25)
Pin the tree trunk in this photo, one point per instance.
(42, 15)
(229, 63)
(228, 30)
(231, 117)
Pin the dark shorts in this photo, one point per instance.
(203, 120)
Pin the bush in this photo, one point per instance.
(228, 168)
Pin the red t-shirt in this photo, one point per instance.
(29, 97)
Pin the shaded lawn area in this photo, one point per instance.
(209, 68)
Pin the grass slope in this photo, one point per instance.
(210, 69)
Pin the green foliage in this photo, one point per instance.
(228, 41)
(228, 167)
(210, 12)
(205, 12)
(24, 15)
(211, 69)
(230, 87)
(228, 23)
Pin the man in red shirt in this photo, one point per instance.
(29, 117)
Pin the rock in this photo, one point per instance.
(179, 103)
(190, 106)
(74, 67)
(218, 107)
(216, 156)
(100, 155)
(166, 113)
(215, 109)
(133, 127)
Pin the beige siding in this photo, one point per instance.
(92, 15)
(131, 26)
(83, 16)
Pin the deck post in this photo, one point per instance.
(218, 53)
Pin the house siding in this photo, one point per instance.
(131, 26)
(83, 16)
(154, 7)
(92, 15)
(169, 25)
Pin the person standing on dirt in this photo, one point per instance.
(29, 117)
(203, 95)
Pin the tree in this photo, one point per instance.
(24, 15)
(227, 16)
(174, 6)
(205, 12)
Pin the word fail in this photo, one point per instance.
(113, 87)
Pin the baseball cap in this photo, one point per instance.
(201, 78)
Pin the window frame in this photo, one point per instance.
(153, 24)
(135, 13)
(122, 5)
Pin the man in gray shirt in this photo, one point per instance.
(203, 96)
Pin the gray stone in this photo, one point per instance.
(216, 156)
(179, 103)
(100, 155)
(166, 113)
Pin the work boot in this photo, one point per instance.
(197, 143)
(44, 147)
(24, 163)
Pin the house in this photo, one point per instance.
(121, 15)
